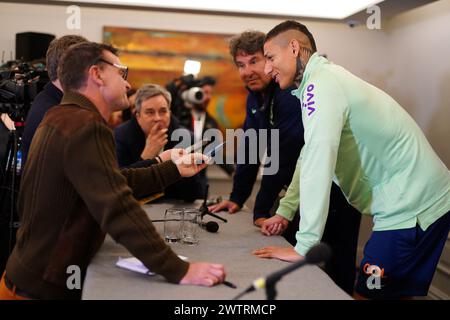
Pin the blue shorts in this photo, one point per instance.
(401, 263)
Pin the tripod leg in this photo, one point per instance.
(9, 187)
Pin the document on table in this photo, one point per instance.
(136, 265)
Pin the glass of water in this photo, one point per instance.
(191, 225)
(173, 223)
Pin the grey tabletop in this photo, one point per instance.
(231, 246)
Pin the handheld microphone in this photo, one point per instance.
(210, 226)
(317, 254)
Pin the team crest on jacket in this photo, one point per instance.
(309, 101)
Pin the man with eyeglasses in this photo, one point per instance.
(123, 70)
(147, 136)
(49, 97)
(73, 192)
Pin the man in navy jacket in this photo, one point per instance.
(52, 94)
(268, 107)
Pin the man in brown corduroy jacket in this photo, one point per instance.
(73, 193)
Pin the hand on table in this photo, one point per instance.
(259, 222)
(281, 253)
(204, 274)
(274, 225)
(231, 206)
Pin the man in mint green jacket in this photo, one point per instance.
(359, 137)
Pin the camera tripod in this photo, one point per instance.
(9, 188)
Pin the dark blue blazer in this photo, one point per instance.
(130, 142)
(279, 109)
(49, 97)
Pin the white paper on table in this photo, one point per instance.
(136, 265)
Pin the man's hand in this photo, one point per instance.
(156, 140)
(171, 154)
(274, 225)
(231, 206)
(259, 222)
(204, 274)
(285, 254)
(190, 164)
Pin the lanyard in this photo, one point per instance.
(271, 112)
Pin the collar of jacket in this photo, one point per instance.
(314, 62)
(265, 100)
(76, 98)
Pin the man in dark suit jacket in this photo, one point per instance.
(148, 136)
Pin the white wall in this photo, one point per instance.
(408, 58)
(420, 51)
(419, 42)
(349, 47)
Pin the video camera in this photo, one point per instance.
(194, 95)
(20, 82)
(187, 92)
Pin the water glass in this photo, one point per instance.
(173, 223)
(191, 226)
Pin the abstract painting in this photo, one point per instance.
(156, 56)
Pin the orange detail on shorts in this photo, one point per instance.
(367, 266)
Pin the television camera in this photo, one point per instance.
(187, 93)
(20, 82)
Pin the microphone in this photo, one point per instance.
(210, 226)
(317, 254)
(204, 208)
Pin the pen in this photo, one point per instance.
(229, 284)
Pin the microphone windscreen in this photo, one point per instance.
(319, 253)
(212, 226)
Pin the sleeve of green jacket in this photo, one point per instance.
(290, 202)
(324, 116)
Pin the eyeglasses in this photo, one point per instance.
(123, 70)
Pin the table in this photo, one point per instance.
(231, 245)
